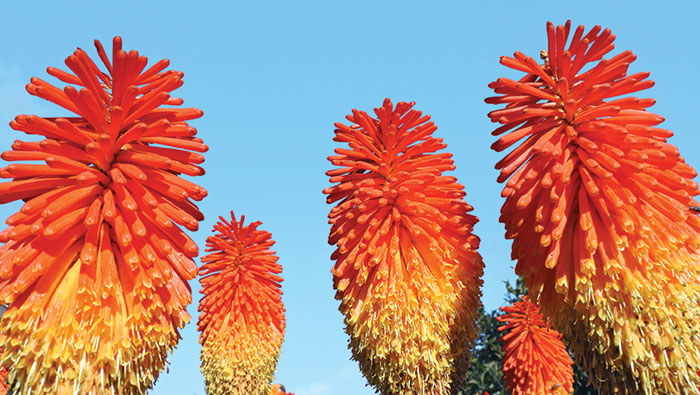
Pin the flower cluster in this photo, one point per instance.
(597, 204)
(407, 271)
(95, 265)
(242, 317)
(535, 360)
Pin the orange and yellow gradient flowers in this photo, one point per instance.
(407, 271)
(597, 204)
(242, 317)
(535, 360)
(95, 265)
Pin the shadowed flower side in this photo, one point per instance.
(241, 314)
(407, 269)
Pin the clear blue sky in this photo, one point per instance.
(273, 77)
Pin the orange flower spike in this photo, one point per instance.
(599, 207)
(94, 267)
(535, 360)
(242, 316)
(405, 249)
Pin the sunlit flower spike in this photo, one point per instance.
(535, 360)
(95, 265)
(242, 317)
(598, 207)
(407, 271)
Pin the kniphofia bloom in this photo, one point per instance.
(95, 265)
(597, 204)
(407, 269)
(535, 360)
(242, 316)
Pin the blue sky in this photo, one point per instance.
(273, 77)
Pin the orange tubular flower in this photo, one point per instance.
(94, 265)
(407, 271)
(535, 360)
(242, 316)
(597, 204)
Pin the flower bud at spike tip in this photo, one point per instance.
(535, 360)
(407, 271)
(597, 204)
(241, 314)
(94, 268)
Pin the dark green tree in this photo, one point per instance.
(486, 369)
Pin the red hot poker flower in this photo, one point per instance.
(95, 265)
(242, 316)
(535, 360)
(597, 204)
(407, 271)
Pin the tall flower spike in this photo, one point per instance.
(95, 265)
(407, 271)
(535, 360)
(597, 204)
(242, 316)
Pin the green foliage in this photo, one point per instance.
(485, 370)
(486, 366)
(514, 292)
